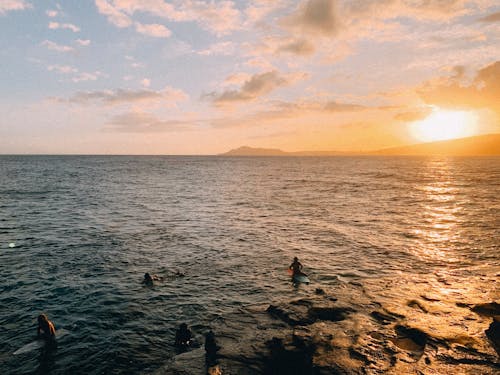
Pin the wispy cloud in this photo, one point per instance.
(85, 76)
(114, 15)
(56, 47)
(217, 17)
(221, 48)
(167, 96)
(255, 87)
(68, 26)
(83, 42)
(64, 69)
(51, 13)
(493, 17)
(142, 122)
(155, 30)
(11, 5)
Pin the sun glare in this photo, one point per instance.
(442, 125)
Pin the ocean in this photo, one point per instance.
(77, 234)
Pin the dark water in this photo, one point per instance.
(85, 229)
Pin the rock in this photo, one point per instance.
(333, 314)
(493, 333)
(487, 309)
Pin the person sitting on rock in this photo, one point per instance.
(183, 336)
(296, 267)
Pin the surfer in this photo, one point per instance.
(45, 328)
(183, 336)
(296, 267)
(148, 279)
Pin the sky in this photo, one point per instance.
(203, 77)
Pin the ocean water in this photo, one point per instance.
(77, 233)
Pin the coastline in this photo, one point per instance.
(343, 330)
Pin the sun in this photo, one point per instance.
(442, 125)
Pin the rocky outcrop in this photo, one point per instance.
(351, 334)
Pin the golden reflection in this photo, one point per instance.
(437, 227)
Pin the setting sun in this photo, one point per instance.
(443, 125)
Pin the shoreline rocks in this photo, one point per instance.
(353, 334)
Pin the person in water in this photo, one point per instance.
(45, 328)
(296, 267)
(183, 336)
(148, 279)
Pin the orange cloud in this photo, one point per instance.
(315, 16)
(482, 92)
(493, 17)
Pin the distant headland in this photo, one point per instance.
(482, 145)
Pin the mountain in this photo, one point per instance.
(251, 151)
(472, 146)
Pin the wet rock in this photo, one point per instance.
(493, 333)
(383, 318)
(333, 314)
(410, 339)
(417, 305)
(291, 359)
(487, 309)
(290, 315)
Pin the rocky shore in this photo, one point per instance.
(345, 330)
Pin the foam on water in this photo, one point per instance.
(86, 229)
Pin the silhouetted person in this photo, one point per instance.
(183, 336)
(45, 328)
(148, 279)
(211, 349)
(296, 267)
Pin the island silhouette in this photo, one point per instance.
(482, 145)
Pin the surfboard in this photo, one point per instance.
(38, 343)
(301, 279)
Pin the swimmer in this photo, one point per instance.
(148, 279)
(45, 328)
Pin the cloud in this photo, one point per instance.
(301, 47)
(64, 69)
(221, 48)
(315, 16)
(414, 115)
(10, 5)
(342, 107)
(114, 15)
(258, 85)
(219, 17)
(167, 96)
(84, 76)
(142, 122)
(56, 47)
(83, 42)
(51, 13)
(146, 82)
(482, 92)
(493, 17)
(154, 29)
(69, 26)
